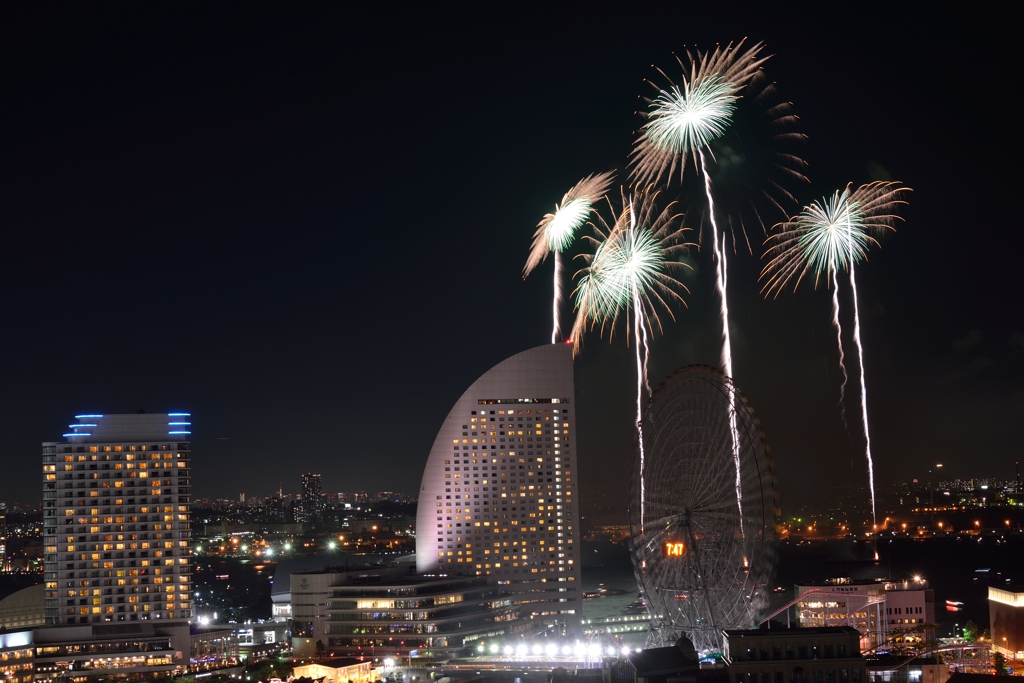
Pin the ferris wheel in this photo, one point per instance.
(703, 539)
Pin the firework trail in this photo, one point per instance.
(863, 393)
(556, 300)
(839, 343)
(723, 281)
(641, 380)
(556, 230)
(632, 269)
(684, 121)
(835, 234)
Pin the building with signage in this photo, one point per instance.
(879, 610)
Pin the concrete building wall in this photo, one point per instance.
(23, 609)
(1006, 617)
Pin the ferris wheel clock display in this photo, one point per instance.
(703, 539)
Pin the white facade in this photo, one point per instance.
(116, 499)
(498, 496)
(879, 610)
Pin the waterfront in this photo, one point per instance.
(958, 568)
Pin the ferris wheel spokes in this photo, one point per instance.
(698, 564)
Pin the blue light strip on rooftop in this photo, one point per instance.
(179, 432)
(79, 434)
(86, 417)
(82, 424)
(179, 414)
(179, 424)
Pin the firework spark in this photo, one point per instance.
(686, 118)
(830, 235)
(635, 261)
(683, 122)
(724, 106)
(632, 269)
(556, 231)
(839, 343)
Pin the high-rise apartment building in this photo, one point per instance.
(498, 496)
(3, 537)
(313, 503)
(116, 493)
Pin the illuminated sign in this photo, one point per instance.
(673, 549)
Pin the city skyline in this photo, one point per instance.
(207, 202)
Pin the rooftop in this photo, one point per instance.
(96, 428)
(793, 630)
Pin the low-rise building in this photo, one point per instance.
(23, 609)
(891, 669)
(389, 611)
(881, 611)
(213, 649)
(140, 650)
(677, 663)
(338, 670)
(17, 656)
(794, 655)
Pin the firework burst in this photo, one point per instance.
(632, 270)
(830, 235)
(636, 261)
(686, 117)
(694, 119)
(556, 231)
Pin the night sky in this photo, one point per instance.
(307, 228)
